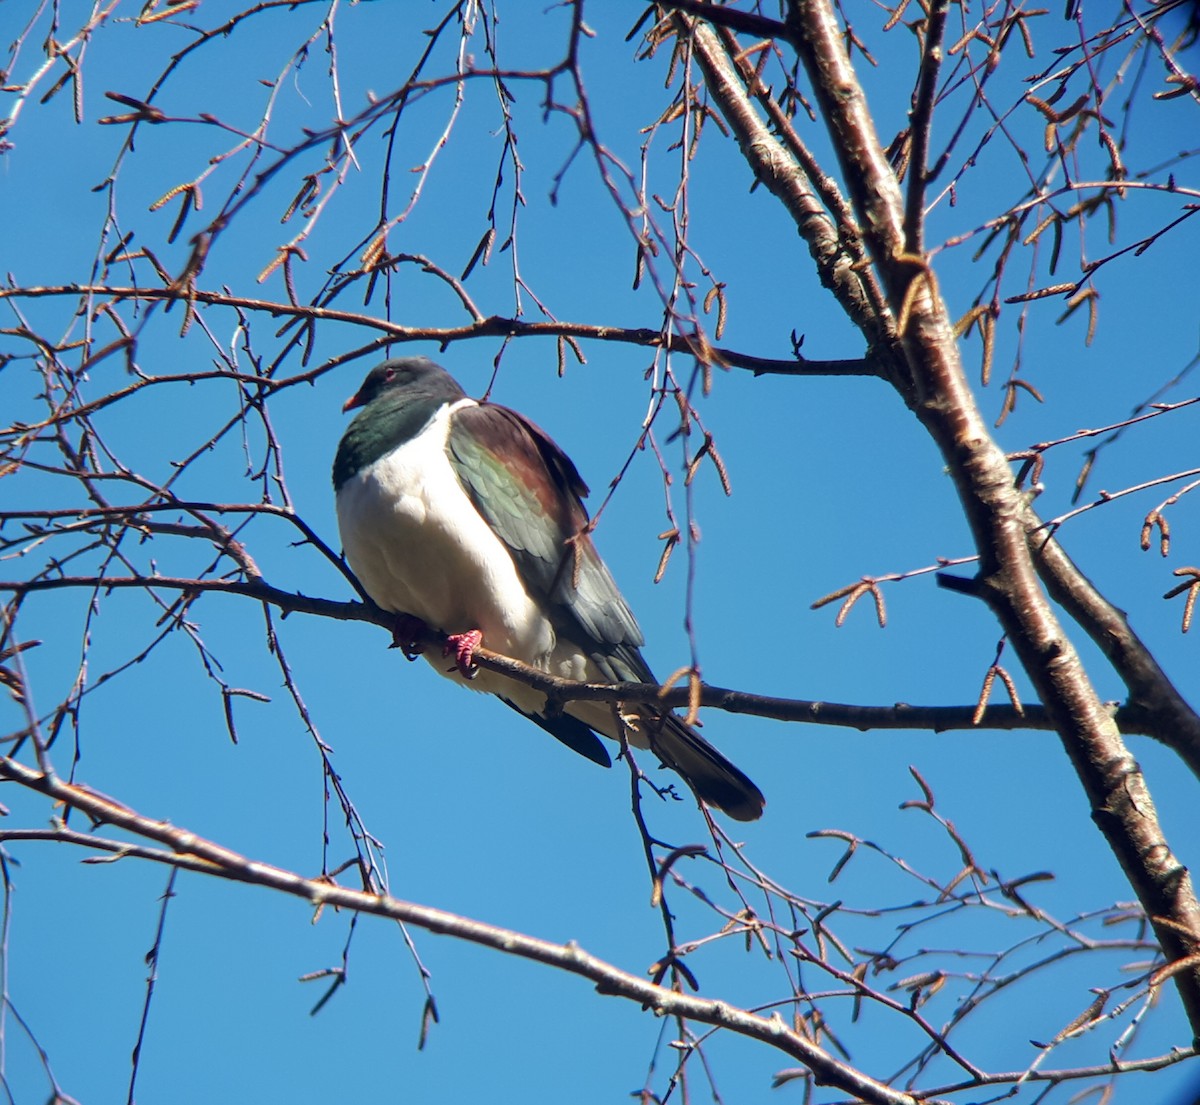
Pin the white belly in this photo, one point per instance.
(419, 547)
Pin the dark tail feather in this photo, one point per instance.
(573, 733)
(714, 779)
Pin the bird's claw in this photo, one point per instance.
(463, 646)
(407, 634)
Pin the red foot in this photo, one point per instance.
(463, 646)
(406, 635)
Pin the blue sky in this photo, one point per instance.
(477, 810)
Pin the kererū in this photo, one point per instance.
(466, 516)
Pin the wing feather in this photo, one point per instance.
(531, 495)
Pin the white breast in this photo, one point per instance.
(419, 546)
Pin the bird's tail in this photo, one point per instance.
(714, 779)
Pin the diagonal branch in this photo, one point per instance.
(783, 175)
(196, 853)
(720, 16)
(936, 389)
(921, 124)
(1151, 691)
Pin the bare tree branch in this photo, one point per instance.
(937, 390)
(1133, 717)
(198, 854)
(489, 327)
(132, 494)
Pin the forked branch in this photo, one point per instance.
(929, 375)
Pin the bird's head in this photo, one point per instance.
(403, 372)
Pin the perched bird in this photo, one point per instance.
(466, 517)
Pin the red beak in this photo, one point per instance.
(350, 404)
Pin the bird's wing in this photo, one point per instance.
(529, 492)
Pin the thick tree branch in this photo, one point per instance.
(120, 849)
(825, 186)
(936, 388)
(199, 854)
(786, 179)
(1170, 718)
